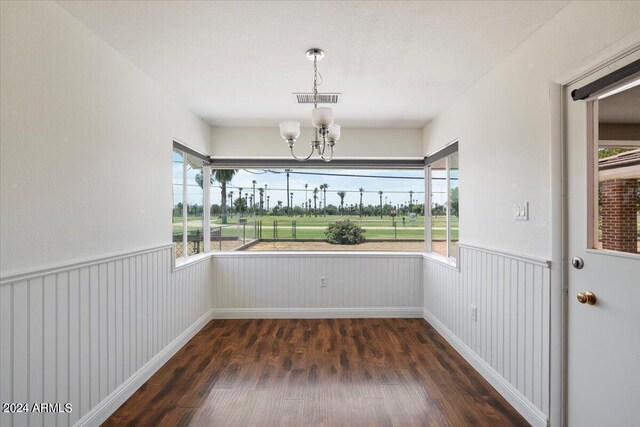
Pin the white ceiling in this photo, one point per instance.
(236, 63)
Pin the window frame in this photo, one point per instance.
(415, 164)
(445, 154)
(185, 258)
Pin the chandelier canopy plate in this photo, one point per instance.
(315, 52)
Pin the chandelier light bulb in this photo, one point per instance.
(290, 130)
(334, 132)
(322, 117)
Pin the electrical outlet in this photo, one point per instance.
(474, 313)
(323, 282)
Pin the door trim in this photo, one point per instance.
(559, 217)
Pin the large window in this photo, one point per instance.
(317, 209)
(188, 214)
(443, 177)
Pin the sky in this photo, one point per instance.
(395, 185)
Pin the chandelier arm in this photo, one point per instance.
(330, 157)
(299, 158)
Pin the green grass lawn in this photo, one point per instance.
(232, 229)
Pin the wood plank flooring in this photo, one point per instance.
(329, 372)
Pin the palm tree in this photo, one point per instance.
(240, 197)
(341, 194)
(361, 191)
(254, 182)
(261, 193)
(268, 197)
(380, 193)
(324, 187)
(223, 176)
(224, 218)
(305, 195)
(288, 205)
(410, 200)
(315, 199)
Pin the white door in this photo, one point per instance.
(603, 340)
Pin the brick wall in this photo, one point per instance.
(619, 215)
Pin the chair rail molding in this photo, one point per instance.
(91, 332)
(509, 340)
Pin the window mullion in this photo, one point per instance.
(428, 233)
(206, 208)
(448, 213)
(184, 206)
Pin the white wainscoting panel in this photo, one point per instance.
(509, 342)
(288, 285)
(92, 332)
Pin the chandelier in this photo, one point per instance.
(327, 133)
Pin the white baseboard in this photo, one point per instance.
(316, 313)
(508, 391)
(111, 403)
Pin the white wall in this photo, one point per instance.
(260, 142)
(507, 126)
(503, 124)
(91, 333)
(265, 285)
(85, 143)
(510, 340)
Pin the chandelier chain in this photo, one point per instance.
(315, 81)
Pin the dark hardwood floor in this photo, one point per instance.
(332, 372)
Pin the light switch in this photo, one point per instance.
(521, 211)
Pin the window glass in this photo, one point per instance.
(444, 203)
(438, 184)
(306, 209)
(453, 205)
(178, 196)
(618, 172)
(195, 203)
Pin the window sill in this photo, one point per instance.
(181, 263)
(304, 254)
(449, 262)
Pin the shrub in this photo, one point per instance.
(344, 233)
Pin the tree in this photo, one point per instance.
(261, 193)
(239, 197)
(454, 201)
(324, 187)
(305, 196)
(223, 176)
(437, 209)
(240, 204)
(380, 193)
(342, 194)
(315, 199)
(361, 191)
(253, 201)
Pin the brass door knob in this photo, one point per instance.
(587, 297)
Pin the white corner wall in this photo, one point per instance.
(89, 304)
(503, 124)
(506, 125)
(262, 142)
(86, 141)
